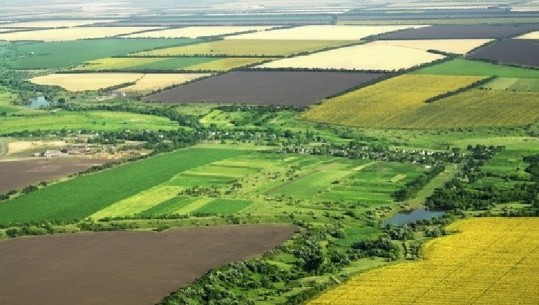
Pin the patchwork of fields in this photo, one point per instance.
(197, 32)
(511, 51)
(265, 88)
(487, 262)
(462, 32)
(74, 33)
(456, 46)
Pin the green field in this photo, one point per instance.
(247, 48)
(514, 84)
(134, 64)
(224, 206)
(46, 55)
(81, 197)
(94, 120)
(478, 68)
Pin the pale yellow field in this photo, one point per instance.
(324, 32)
(86, 81)
(532, 35)
(72, 33)
(152, 82)
(456, 46)
(53, 24)
(369, 56)
(491, 261)
(198, 31)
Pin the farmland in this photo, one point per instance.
(97, 120)
(152, 82)
(124, 262)
(73, 33)
(197, 32)
(46, 55)
(322, 32)
(141, 64)
(87, 81)
(246, 48)
(371, 56)
(470, 67)
(514, 84)
(511, 51)
(50, 24)
(456, 46)
(482, 264)
(532, 35)
(273, 88)
(388, 104)
(462, 32)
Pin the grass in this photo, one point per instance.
(48, 55)
(482, 264)
(514, 84)
(168, 207)
(247, 48)
(389, 104)
(81, 197)
(92, 120)
(461, 66)
(224, 206)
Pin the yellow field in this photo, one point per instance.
(323, 32)
(247, 48)
(371, 56)
(87, 81)
(198, 31)
(226, 64)
(152, 82)
(113, 63)
(491, 261)
(52, 24)
(71, 33)
(387, 104)
(532, 35)
(456, 46)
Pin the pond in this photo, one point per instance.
(39, 102)
(410, 216)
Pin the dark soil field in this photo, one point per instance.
(462, 32)
(16, 175)
(298, 89)
(135, 268)
(524, 52)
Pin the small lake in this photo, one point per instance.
(412, 215)
(39, 102)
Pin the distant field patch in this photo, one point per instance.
(52, 23)
(463, 32)
(198, 31)
(247, 48)
(521, 52)
(86, 81)
(47, 55)
(514, 84)
(472, 67)
(224, 206)
(324, 32)
(388, 104)
(484, 263)
(371, 56)
(456, 46)
(91, 120)
(152, 82)
(225, 64)
(532, 35)
(264, 88)
(73, 33)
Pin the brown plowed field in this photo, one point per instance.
(462, 32)
(135, 268)
(297, 89)
(522, 52)
(16, 175)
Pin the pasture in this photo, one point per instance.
(461, 66)
(73, 33)
(484, 262)
(264, 88)
(371, 56)
(520, 52)
(48, 55)
(455, 46)
(323, 32)
(153, 82)
(87, 81)
(246, 48)
(91, 120)
(453, 31)
(198, 31)
(388, 104)
(136, 268)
